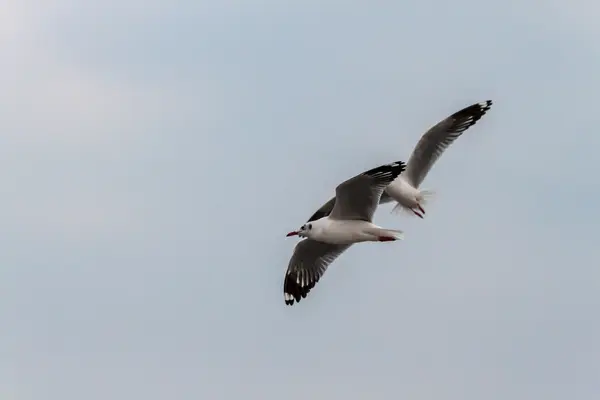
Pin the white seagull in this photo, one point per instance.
(405, 190)
(349, 222)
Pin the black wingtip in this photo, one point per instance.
(485, 106)
(400, 167)
(468, 116)
(395, 169)
(292, 291)
(474, 111)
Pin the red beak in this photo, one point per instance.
(292, 233)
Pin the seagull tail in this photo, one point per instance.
(425, 195)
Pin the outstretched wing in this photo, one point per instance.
(437, 139)
(326, 208)
(358, 197)
(307, 265)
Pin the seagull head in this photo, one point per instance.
(304, 231)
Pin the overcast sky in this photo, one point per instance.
(153, 155)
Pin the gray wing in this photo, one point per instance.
(326, 208)
(358, 197)
(437, 139)
(324, 211)
(307, 265)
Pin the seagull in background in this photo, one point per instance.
(405, 189)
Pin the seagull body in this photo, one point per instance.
(328, 230)
(349, 222)
(407, 196)
(405, 189)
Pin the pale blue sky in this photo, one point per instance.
(154, 154)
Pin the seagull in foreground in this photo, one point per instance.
(349, 222)
(405, 190)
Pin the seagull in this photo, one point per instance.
(349, 222)
(405, 189)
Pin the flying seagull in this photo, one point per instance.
(349, 222)
(405, 190)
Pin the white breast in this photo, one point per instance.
(403, 192)
(343, 232)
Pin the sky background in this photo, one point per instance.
(154, 154)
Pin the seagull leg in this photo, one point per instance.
(418, 214)
(421, 208)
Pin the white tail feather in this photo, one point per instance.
(424, 196)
